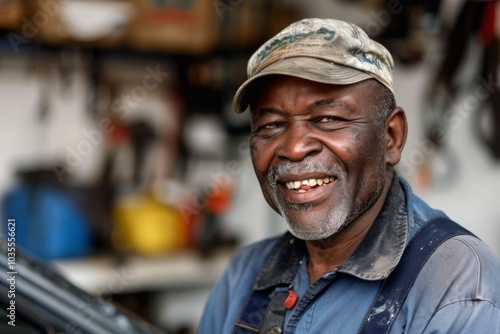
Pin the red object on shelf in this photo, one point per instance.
(487, 29)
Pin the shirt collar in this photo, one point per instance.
(381, 249)
(375, 258)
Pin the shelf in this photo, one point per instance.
(104, 276)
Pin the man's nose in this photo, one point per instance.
(298, 143)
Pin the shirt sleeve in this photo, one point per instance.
(215, 308)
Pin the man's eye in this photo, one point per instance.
(272, 125)
(328, 119)
(269, 128)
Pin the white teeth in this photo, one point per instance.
(302, 191)
(311, 183)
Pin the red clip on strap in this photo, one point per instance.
(290, 300)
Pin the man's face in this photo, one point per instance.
(318, 152)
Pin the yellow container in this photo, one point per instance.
(147, 226)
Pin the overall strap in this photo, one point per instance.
(272, 294)
(264, 312)
(395, 288)
(253, 315)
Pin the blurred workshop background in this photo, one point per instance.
(126, 168)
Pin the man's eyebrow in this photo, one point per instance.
(264, 111)
(329, 101)
(333, 103)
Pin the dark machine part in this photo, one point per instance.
(47, 303)
(142, 137)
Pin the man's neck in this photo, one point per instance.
(328, 254)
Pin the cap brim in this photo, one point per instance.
(313, 69)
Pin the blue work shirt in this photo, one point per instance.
(457, 291)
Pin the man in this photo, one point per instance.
(326, 134)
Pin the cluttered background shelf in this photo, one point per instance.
(125, 166)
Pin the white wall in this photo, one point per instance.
(27, 140)
(471, 198)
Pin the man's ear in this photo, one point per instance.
(396, 130)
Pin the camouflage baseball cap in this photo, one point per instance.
(321, 50)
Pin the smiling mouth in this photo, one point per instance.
(303, 186)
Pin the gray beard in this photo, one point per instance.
(338, 217)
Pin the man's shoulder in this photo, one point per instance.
(258, 247)
(459, 259)
(456, 290)
(462, 268)
(468, 257)
(230, 294)
(252, 257)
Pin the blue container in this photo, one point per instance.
(49, 223)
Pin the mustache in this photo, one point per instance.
(305, 166)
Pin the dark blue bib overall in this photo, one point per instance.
(265, 310)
